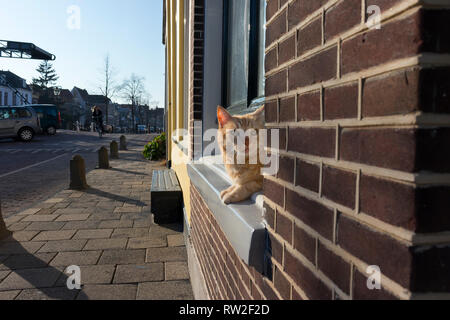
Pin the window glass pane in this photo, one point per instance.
(262, 46)
(237, 51)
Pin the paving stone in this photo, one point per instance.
(130, 233)
(105, 244)
(70, 211)
(176, 240)
(54, 235)
(139, 273)
(166, 254)
(100, 274)
(30, 279)
(73, 217)
(45, 226)
(27, 261)
(9, 295)
(176, 271)
(81, 225)
(29, 212)
(108, 292)
(22, 236)
(13, 219)
(114, 224)
(81, 258)
(54, 200)
(40, 218)
(146, 242)
(20, 248)
(128, 210)
(47, 211)
(103, 216)
(4, 274)
(63, 246)
(93, 234)
(122, 257)
(143, 223)
(19, 226)
(61, 293)
(167, 290)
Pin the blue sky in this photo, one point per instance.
(130, 31)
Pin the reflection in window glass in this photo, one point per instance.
(261, 47)
(237, 53)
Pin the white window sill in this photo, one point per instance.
(242, 223)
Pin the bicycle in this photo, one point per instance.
(98, 128)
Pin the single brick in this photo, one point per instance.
(388, 201)
(374, 248)
(310, 36)
(276, 83)
(391, 94)
(276, 248)
(271, 9)
(271, 111)
(271, 59)
(341, 17)
(386, 148)
(334, 267)
(339, 186)
(313, 214)
(341, 102)
(269, 215)
(314, 288)
(274, 192)
(284, 227)
(276, 28)
(286, 50)
(300, 9)
(282, 284)
(286, 170)
(308, 106)
(305, 244)
(287, 109)
(304, 140)
(307, 175)
(362, 292)
(320, 67)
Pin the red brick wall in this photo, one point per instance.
(364, 152)
(197, 29)
(227, 276)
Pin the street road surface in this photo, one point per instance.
(33, 172)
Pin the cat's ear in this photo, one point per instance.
(223, 116)
(259, 114)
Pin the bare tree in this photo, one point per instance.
(109, 87)
(133, 90)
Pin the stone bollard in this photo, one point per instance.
(4, 233)
(78, 174)
(103, 160)
(114, 150)
(123, 143)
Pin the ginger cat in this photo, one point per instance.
(247, 178)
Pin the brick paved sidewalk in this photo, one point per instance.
(107, 231)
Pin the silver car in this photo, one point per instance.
(19, 122)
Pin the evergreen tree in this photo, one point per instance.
(47, 75)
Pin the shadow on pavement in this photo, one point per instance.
(112, 196)
(36, 272)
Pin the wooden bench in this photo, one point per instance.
(166, 197)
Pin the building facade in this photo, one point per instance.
(358, 92)
(14, 91)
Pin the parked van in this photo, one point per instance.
(49, 117)
(19, 122)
